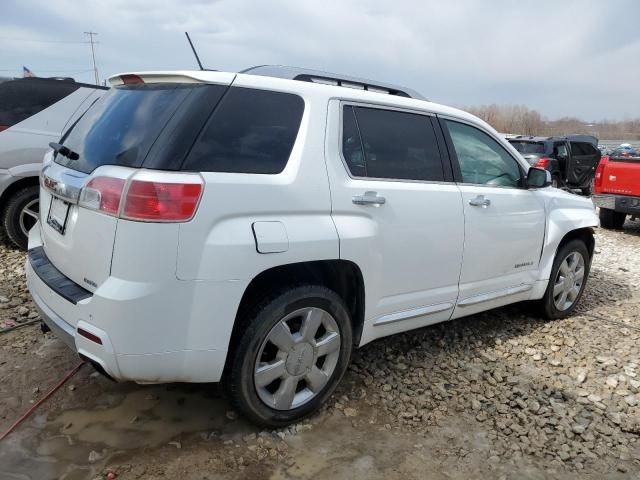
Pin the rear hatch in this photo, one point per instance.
(148, 122)
(622, 176)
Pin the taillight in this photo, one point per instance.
(161, 202)
(599, 176)
(103, 194)
(147, 196)
(543, 162)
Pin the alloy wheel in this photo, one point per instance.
(569, 280)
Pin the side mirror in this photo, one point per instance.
(538, 178)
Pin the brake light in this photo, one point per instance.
(543, 162)
(103, 194)
(131, 79)
(146, 196)
(161, 202)
(599, 176)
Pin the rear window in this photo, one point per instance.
(23, 98)
(528, 147)
(122, 126)
(251, 131)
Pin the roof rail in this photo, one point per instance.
(315, 76)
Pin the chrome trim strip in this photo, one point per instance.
(413, 313)
(485, 297)
(62, 182)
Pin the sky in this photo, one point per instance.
(563, 58)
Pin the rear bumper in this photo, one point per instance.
(618, 203)
(159, 332)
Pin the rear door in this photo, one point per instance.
(397, 212)
(504, 222)
(582, 163)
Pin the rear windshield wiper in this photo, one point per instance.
(64, 151)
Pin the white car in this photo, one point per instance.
(33, 112)
(254, 228)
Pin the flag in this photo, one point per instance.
(26, 73)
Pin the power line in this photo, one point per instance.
(93, 55)
(43, 41)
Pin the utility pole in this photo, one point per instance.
(93, 55)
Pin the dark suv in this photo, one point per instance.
(572, 160)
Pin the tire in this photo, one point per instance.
(15, 220)
(588, 190)
(611, 219)
(251, 393)
(549, 303)
(555, 182)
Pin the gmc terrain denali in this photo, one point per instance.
(254, 228)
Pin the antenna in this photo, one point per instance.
(93, 55)
(194, 51)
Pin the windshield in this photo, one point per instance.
(528, 147)
(121, 127)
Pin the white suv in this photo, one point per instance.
(254, 228)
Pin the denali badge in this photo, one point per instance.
(520, 265)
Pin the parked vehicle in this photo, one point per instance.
(624, 150)
(617, 188)
(33, 112)
(253, 228)
(572, 160)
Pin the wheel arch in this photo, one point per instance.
(19, 184)
(342, 276)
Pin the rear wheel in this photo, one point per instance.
(568, 280)
(612, 219)
(21, 214)
(293, 351)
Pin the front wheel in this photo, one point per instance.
(568, 280)
(611, 219)
(293, 351)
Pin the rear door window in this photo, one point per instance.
(391, 144)
(23, 98)
(251, 131)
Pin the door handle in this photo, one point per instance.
(480, 201)
(369, 198)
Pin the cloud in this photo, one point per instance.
(562, 58)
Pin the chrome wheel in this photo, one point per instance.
(569, 280)
(297, 358)
(28, 216)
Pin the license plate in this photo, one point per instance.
(58, 212)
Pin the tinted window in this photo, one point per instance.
(581, 148)
(120, 128)
(397, 145)
(528, 147)
(251, 131)
(351, 145)
(482, 160)
(23, 98)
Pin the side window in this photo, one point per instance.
(578, 148)
(560, 150)
(351, 144)
(483, 161)
(397, 145)
(250, 131)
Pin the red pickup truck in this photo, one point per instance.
(617, 189)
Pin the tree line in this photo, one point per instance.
(519, 119)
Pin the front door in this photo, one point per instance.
(504, 222)
(398, 214)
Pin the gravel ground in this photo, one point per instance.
(501, 395)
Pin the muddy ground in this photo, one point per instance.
(497, 395)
